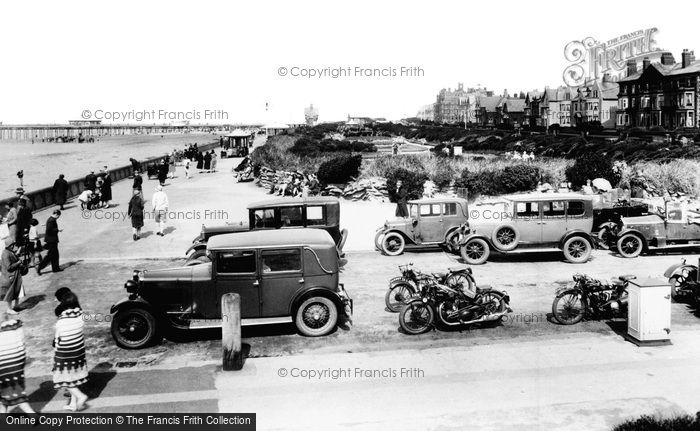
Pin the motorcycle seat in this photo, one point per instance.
(627, 277)
(458, 268)
(439, 275)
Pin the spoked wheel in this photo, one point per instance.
(568, 308)
(577, 249)
(492, 303)
(393, 244)
(416, 317)
(453, 240)
(397, 296)
(475, 251)
(135, 328)
(630, 245)
(316, 316)
(460, 282)
(505, 238)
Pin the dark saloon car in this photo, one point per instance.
(282, 213)
(282, 276)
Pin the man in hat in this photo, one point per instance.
(90, 181)
(106, 188)
(60, 191)
(51, 244)
(24, 221)
(19, 193)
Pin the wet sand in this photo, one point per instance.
(42, 162)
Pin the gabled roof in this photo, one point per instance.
(665, 70)
(490, 103)
(514, 105)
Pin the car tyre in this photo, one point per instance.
(135, 328)
(630, 245)
(475, 252)
(393, 244)
(577, 249)
(505, 237)
(316, 316)
(378, 240)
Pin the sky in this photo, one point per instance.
(227, 61)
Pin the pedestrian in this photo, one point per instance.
(85, 198)
(34, 245)
(70, 367)
(51, 243)
(213, 161)
(187, 168)
(162, 172)
(24, 221)
(135, 211)
(401, 200)
(207, 161)
(60, 191)
(13, 358)
(106, 188)
(11, 287)
(19, 194)
(90, 181)
(159, 201)
(11, 221)
(138, 181)
(20, 175)
(200, 161)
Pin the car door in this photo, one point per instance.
(282, 278)
(553, 221)
(430, 228)
(451, 216)
(528, 221)
(678, 224)
(576, 217)
(236, 272)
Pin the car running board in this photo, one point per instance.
(666, 247)
(216, 323)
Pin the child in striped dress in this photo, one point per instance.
(70, 368)
(12, 360)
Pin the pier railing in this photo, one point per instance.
(43, 198)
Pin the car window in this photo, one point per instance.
(291, 217)
(430, 210)
(554, 209)
(450, 209)
(264, 218)
(235, 262)
(575, 208)
(527, 210)
(314, 216)
(281, 260)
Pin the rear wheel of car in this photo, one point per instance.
(475, 252)
(505, 237)
(316, 316)
(452, 240)
(135, 328)
(577, 249)
(393, 244)
(630, 245)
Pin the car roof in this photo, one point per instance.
(272, 238)
(547, 197)
(438, 201)
(280, 202)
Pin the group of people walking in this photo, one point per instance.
(69, 369)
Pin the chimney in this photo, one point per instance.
(631, 67)
(688, 58)
(667, 59)
(645, 63)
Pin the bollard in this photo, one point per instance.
(231, 331)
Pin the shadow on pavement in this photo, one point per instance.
(31, 302)
(96, 384)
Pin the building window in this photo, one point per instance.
(688, 99)
(689, 121)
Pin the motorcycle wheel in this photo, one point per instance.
(568, 307)
(460, 281)
(416, 317)
(493, 302)
(397, 295)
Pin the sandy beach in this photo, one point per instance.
(42, 162)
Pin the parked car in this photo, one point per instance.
(430, 223)
(670, 227)
(282, 276)
(534, 222)
(612, 213)
(313, 212)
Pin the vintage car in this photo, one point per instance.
(533, 222)
(281, 276)
(313, 212)
(430, 223)
(673, 226)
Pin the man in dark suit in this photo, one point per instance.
(60, 191)
(51, 244)
(24, 220)
(91, 181)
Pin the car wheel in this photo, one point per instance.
(630, 245)
(393, 244)
(505, 237)
(379, 240)
(135, 328)
(475, 252)
(452, 240)
(316, 316)
(577, 249)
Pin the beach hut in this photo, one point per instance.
(273, 129)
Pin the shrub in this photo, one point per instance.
(651, 423)
(442, 172)
(384, 164)
(306, 146)
(339, 169)
(591, 166)
(412, 180)
(512, 179)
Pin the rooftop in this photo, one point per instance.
(293, 201)
(272, 238)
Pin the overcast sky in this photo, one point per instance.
(59, 59)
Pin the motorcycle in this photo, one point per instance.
(684, 282)
(411, 282)
(439, 304)
(590, 297)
